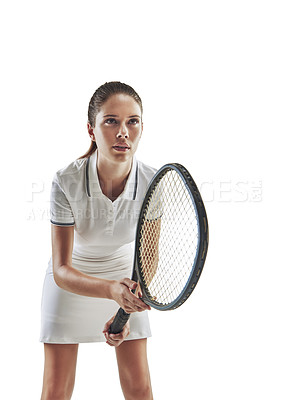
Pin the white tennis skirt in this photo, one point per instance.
(71, 318)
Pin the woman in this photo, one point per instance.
(95, 202)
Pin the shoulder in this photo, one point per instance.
(146, 172)
(73, 168)
(72, 173)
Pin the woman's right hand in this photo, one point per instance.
(121, 293)
(118, 338)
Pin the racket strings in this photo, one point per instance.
(169, 239)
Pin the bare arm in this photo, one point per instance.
(65, 275)
(72, 280)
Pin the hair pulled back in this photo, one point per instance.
(101, 95)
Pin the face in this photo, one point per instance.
(118, 128)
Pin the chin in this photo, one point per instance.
(123, 154)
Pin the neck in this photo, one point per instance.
(113, 176)
(110, 171)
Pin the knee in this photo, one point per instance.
(57, 391)
(142, 393)
(52, 394)
(138, 390)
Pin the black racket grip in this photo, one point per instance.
(119, 321)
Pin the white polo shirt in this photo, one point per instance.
(103, 229)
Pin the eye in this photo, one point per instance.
(133, 121)
(110, 121)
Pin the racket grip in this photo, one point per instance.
(119, 321)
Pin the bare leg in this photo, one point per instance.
(59, 371)
(134, 370)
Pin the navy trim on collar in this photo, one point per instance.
(136, 182)
(88, 179)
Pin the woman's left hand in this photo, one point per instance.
(115, 339)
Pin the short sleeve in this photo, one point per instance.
(60, 209)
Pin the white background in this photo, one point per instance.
(214, 80)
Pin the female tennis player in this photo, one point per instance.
(95, 204)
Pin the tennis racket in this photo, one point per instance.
(171, 241)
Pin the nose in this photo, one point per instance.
(123, 132)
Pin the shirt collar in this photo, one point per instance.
(92, 181)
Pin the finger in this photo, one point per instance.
(110, 344)
(138, 304)
(113, 337)
(121, 335)
(116, 337)
(128, 282)
(131, 308)
(113, 342)
(138, 291)
(108, 324)
(110, 341)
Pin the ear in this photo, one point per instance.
(91, 132)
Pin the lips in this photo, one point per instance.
(121, 147)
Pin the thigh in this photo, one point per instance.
(133, 366)
(60, 365)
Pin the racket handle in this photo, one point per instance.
(119, 321)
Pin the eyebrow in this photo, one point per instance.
(114, 115)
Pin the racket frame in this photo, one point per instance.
(202, 238)
(122, 317)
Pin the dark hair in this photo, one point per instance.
(101, 95)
